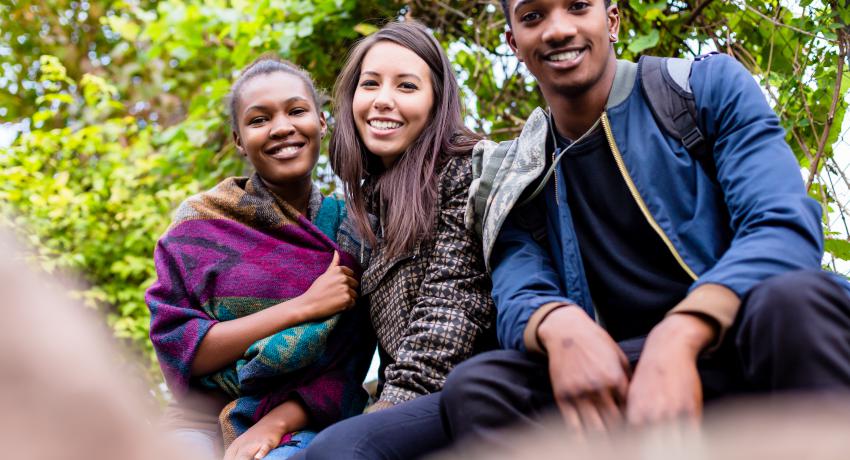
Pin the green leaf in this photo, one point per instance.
(365, 29)
(838, 248)
(643, 42)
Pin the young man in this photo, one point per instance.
(712, 279)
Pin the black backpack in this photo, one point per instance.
(666, 85)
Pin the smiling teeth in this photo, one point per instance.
(566, 56)
(379, 124)
(287, 150)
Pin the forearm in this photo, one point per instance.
(227, 341)
(286, 418)
(714, 306)
(430, 349)
(519, 298)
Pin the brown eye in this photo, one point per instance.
(529, 17)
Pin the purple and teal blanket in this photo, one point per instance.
(236, 250)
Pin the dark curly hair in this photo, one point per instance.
(266, 64)
(505, 4)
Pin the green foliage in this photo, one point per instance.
(124, 103)
(92, 197)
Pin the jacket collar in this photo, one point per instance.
(537, 126)
(624, 82)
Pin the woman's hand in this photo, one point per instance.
(266, 434)
(332, 292)
(378, 406)
(255, 443)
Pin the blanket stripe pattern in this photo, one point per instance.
(238, 249)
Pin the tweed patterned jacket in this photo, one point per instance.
(431, 307)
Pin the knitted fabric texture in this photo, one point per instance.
(233, 251)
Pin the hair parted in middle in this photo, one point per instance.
(408, 189)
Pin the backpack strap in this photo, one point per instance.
(667, 88)
(487, 172)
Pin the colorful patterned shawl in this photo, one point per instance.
(238, 249)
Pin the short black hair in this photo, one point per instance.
(508, 13)
(266, 64)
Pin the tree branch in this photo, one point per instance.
(836, 98)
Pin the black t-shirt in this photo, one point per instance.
(634, 279)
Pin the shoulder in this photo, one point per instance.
(210, 203)
(719, 73)
(456, 175)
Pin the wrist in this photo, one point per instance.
(684, 331)
(551, 328)
(299, 308)
(274, 422)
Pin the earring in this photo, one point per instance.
(613, 38)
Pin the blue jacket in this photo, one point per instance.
(754, 222)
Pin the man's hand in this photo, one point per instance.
(589, 372)
(666, 384)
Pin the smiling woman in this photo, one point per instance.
(403, 155)
(251, 313)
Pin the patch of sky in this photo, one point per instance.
(10, 131)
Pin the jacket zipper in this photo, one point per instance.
(557, 154)
(621, 165)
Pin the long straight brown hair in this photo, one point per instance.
(407, 191)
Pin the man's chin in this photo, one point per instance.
(571, 88)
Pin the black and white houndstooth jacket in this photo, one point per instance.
(431, 307)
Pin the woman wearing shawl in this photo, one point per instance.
(252, 314)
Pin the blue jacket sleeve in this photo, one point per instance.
(523, 280)
(776, 225)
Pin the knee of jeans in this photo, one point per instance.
(466, 380)
(785, 299)
(331, 442)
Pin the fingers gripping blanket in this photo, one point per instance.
(238, 249)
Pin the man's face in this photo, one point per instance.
(565, 44)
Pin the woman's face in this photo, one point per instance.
(393, 100)
(280, 128)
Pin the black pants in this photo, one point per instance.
(792, 333)
(406, 431)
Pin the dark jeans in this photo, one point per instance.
(406, 431)
(792, 333)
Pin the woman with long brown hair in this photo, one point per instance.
(403, 154)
